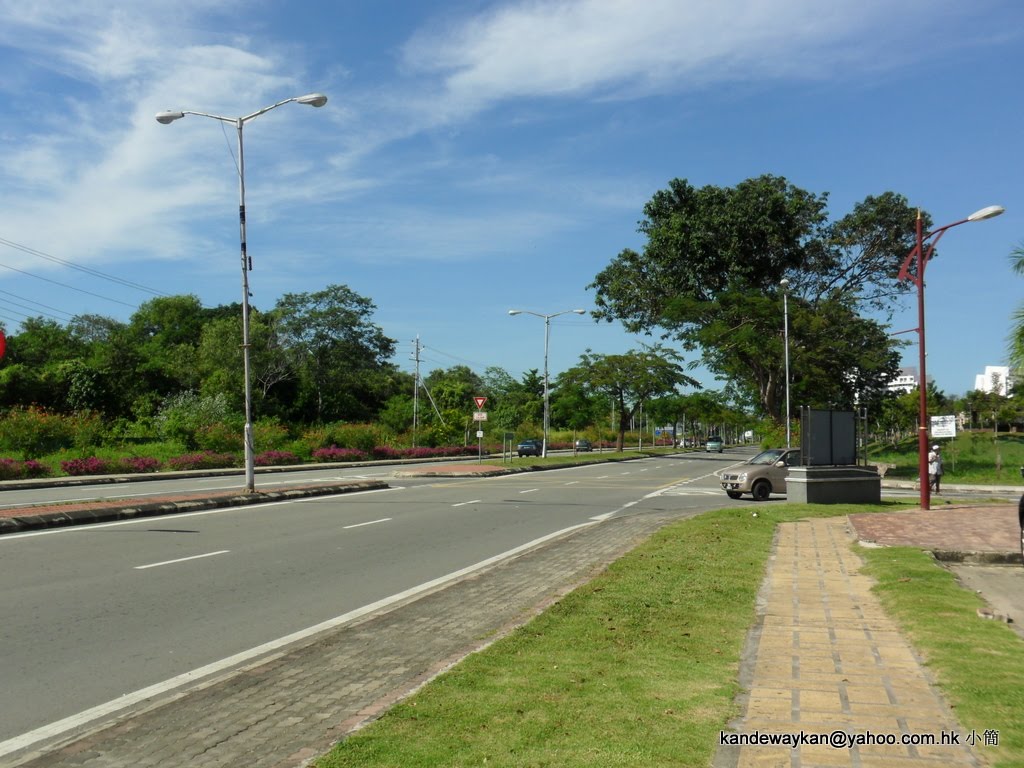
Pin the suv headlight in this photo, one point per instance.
(741, 477)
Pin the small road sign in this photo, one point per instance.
(479, 415)
(479, 402)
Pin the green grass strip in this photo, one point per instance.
(639, 667)
(978, 663)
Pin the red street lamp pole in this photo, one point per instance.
(917, 278)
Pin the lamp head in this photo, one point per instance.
(168, 117)
(313, 99)
(784, 282)
(986, 213)
(515, 311)
(580, 311)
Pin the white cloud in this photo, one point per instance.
(623, 48)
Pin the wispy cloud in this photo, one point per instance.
(624, 49)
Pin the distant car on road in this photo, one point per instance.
(762, 475)
(714, 445)
(584, 446)
(531, 447)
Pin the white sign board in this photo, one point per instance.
(943, 426)
(479, 415)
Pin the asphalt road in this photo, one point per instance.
(95, 613)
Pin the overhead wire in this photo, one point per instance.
(80, 268)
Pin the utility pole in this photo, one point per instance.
(416, 390)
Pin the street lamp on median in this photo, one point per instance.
(916, 276)
(165, 118)
(785, 334)
(547, 333)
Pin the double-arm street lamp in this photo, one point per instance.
(313, 100)
(916, 276)
(547, 333)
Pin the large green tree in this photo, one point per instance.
(340, 355)
(709, 277)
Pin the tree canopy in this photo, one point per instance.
(710, 272)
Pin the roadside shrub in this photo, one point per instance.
(183, 416)
(33, 432)
(203, 460)
(275, 459)
(221, 437)
(138, 464)
(91, 465)
(315, 437)
(270, 435)
(334, 453)
(362, 437)
(12, 469)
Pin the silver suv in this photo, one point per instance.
(762, 475)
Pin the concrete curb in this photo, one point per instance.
(977, 558)
(133, 510)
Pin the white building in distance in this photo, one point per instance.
(996, 378)
(905, 382)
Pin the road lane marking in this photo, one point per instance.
(182, 560)
(573, 482)
(464, 503)
(72, 722)
(530, 490)
(370, 522)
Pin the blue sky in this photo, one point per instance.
(480, 156)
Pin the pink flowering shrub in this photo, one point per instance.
(138, 464)
(334, 453)
(203, 460)
(12, 469)
(275, 458)
(91, 465)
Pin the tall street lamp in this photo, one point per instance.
(313, 100)
(916, 276)
(785, 333)
(547, 333)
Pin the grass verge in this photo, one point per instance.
(636, 668)
(978, 664)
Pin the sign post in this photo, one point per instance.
(480, 415)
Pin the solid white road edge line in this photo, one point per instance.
(102, 710)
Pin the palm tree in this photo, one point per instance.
(1016, 340)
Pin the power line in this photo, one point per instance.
(25, 306)
(80, 268)
(65, 285)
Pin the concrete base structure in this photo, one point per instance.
(834, 485)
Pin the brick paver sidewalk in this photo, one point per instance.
(825, 658)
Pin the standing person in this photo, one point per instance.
(935, 469)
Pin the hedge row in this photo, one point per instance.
(12, 469)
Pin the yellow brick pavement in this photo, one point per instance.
(825, 658)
